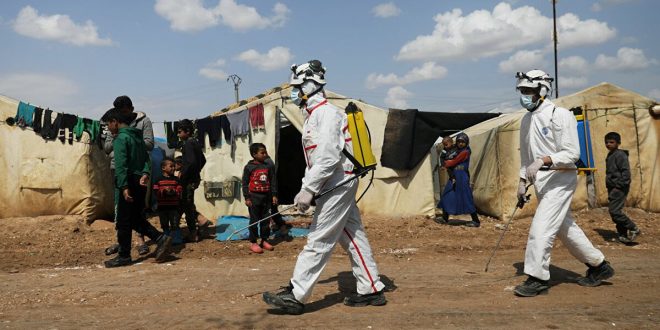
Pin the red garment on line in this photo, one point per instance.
(257, 116)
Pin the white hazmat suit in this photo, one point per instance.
(336, 218)
(552, 131)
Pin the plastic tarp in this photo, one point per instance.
(42, 177)
(495, 158)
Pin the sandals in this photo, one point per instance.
(112, 249)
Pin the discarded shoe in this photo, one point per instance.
(285, 301)
(361, 300)
(596, 275)
(118, 261)
(266, 246)
(254, 247)
(162, 251)
(143, 249)
(112, 249)
(531, 287)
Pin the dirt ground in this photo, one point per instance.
(52, 277)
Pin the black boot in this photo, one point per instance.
(164, 243)
(118, 261)
(360, 300)
(285, 301)
(531, 287)
(596, 275)
(633, 233)
(443, 220)
(475, 221)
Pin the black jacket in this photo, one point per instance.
(193, 161)
(617, 170)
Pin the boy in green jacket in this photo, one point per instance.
(132, 171)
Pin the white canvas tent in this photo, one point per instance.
(393, 193)
(495, 157)
(42, 177)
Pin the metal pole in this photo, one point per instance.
(554, 38)
(237, 81)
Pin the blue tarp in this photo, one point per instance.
(227, 224)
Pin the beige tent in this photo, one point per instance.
(42, 177)
(495, 157)
(393, 193)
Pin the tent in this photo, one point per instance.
(495, 160)
(42, 177)
(393, 192)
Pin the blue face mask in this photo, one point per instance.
(526, 102)
(295, 96)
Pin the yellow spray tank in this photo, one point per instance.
(361, 139)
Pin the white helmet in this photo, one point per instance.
(312, 70)
(535, 79)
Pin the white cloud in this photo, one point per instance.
(572, 82)
(600, 5)
(483, 33)
(386, 10)
(574, 64)
(428, 71)
(191, 15)
(38, 88)
(523, 61)
(276, 58)
(654, 94)
(57, 28)
(397, 97)
(573, 32)
(626, 59)
(214, 70)
(505, 107)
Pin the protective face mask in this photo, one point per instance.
(295, 96)
(526, 102)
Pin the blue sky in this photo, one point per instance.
(172, 57)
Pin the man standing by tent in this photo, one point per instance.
(143, 123)
(549, 142)
(337, 218)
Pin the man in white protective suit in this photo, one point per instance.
(336, 218)
(549, 148)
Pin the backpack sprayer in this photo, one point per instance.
(362, 158)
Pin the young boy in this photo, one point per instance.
(168, 192)
(132, 171)
(449, 152)
(617, 181)
(178, 165)
(259, 190)
(193, 161)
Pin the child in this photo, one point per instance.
(168, 192)
(449, 151)
(617, 181)
(259, 190)
(132, 171)
(193, 161)
(457, 198)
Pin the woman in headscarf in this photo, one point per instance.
(457, 196)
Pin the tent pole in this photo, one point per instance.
(592, 201)
(639, 165)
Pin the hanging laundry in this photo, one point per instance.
(92, 127)
(67, 122)
(210, 126)
(49, 128)
(225, 127)
(239, 123)
(24, 114)
(36, 123)
(257, 116)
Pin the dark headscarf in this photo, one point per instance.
(463, 137)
